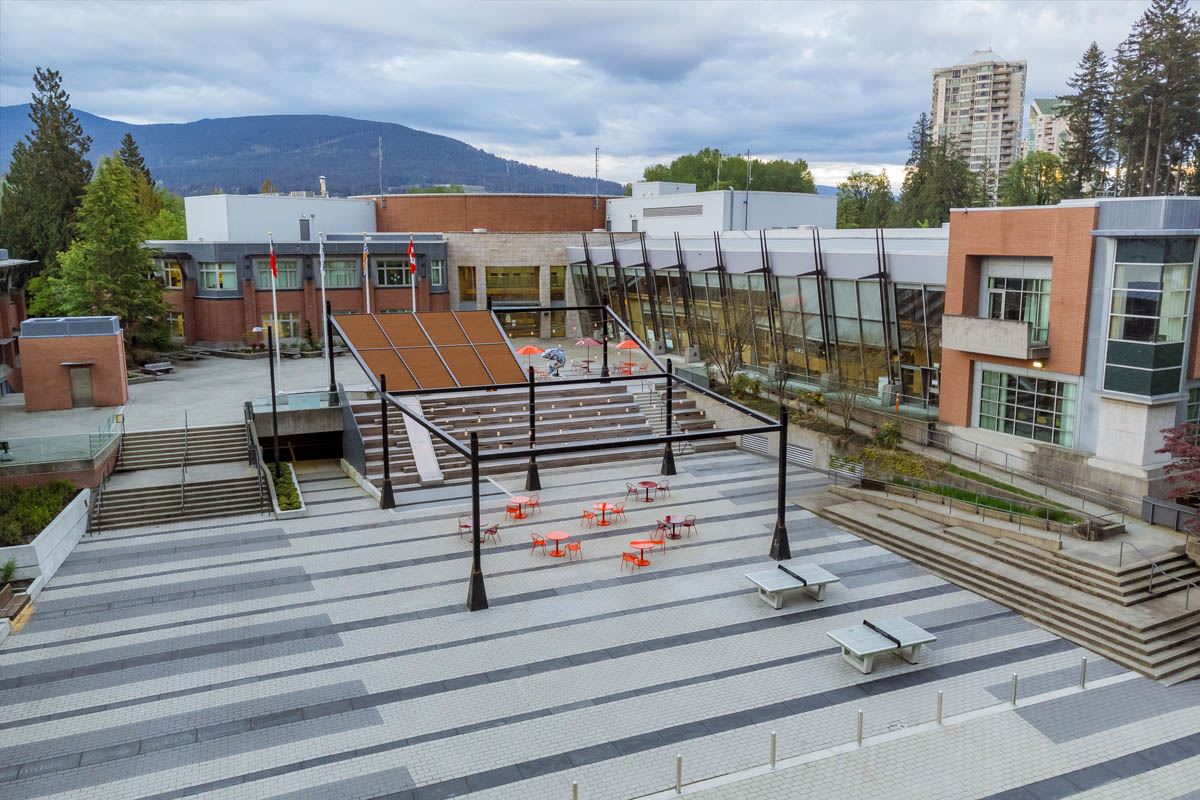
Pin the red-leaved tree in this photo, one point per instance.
(1183, 473)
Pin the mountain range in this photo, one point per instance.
(237, 154)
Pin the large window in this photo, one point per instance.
(171, 273)
(342, 273)
(289, 325)
(1026, 299)
(437, 271)
(393, 272)
(1029, 407)
(1151, 288)
(466, 284)
(175, 324)
(218, 276)
(288, 269)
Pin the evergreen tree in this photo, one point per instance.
(1087, 150)
(864, 200)
(131, 157)
(1035, 180)
(106, 270)
(936, 179)
(47, 175)
(267, 187)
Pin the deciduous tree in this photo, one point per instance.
(703, 167)
(1183, 474)
(1035, 180)
(864, 200)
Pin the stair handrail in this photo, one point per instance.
(1154, 565)
(98, 504)
(183, 466)
(255, 453)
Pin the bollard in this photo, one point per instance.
(679, 774)
(774, 741)
(1013, 697)
(574, 790)
(1083, 673)
(860, 727)
(939, 707)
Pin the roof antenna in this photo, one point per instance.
(596, 199)
(382, 200)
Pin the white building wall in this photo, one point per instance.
(699, 213)
(249, 218)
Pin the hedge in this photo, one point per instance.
(26, 510)
(285, 488)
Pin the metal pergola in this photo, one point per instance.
(476, 593)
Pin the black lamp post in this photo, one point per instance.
(274, 405)
(329, 344)
(533, 481)
(668, 462)
(781, 550)
(476, 594)
(604, 342)
(386, 498)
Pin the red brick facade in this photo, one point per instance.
(1061, 233)
(48, 382)
(497, 213)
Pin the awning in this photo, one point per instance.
(77, 363)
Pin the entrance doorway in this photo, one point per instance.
(81, 386)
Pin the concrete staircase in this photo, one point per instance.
(148, 505)
(1111, 610)
(164, 448)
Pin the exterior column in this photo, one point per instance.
(781, 549)
(544, 300)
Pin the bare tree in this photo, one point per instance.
(788, 328)
(851, 386)
(723, 345)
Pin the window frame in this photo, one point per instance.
(206, 270)
(386, 266)
(285, 266)
(351, 267)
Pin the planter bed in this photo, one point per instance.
(39, 558)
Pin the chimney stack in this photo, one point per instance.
(324, 191)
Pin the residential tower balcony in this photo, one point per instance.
(993, 337)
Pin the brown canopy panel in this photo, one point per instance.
(432, 350)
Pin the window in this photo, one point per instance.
(1193, 406)
(175, 324)
(1032, 408)
(392, 272)
(437, 271)
(1026, 299)
(171, 273)
(1151, 288)
(288, 269)
(558, 284)
(218, 276)
(466, 284)
(342, 273)
(289, 325)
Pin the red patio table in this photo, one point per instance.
(674, 520)
(603, 508)
(648, 486)
(556, 537)
(520, 500)
(642, 545)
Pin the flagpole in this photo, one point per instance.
(366, 274)
(275, 309)
(324, 316)
(412, 272)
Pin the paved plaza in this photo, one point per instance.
(332, 656)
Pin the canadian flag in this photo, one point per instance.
(274, 269)
(412, 257)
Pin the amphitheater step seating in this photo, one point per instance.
(1109, 611)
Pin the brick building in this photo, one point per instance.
(13, 274)
(494, 213)
(1070, 334)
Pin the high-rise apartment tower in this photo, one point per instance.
(978, 104)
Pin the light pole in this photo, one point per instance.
(274, 403)
(781, 549)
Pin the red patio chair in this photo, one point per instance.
(630, 489)
(535, 503)
(574, 549)
(664, 487)
(689, 525)
(588, 517)
(538, 541)
(464, 525)
(493, 531)
(629, 558)
(618, 510)
(511, 510)
(659, 537)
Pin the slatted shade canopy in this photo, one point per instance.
(431, 350)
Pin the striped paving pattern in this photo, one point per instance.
(332, 657)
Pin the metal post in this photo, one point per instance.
(668, 461)
(1013, 691)
(858, 735)
(604, 340)
(274, 405)
(781, 550)
(329, 345)
(1083, 673)
(678, 774)
(574, 790)
(476, 594)
(386, 499)
(774, 750)
(533, 481)
(1121, 555)
(939, 707)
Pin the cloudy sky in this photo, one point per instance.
(838, 84)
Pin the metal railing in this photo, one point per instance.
(353, 448)
(183, 467)
(96, 523)
(1154, 567)
(1155, 510)
(255, 455)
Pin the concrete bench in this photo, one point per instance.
(158, 368)
(11, 603)
(791, 576)
(861, 643)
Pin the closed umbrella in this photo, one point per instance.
(630, 345)
(529, 350)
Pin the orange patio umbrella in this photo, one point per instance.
(529, 350)
(630, 345)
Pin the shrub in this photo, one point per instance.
(886, 462)
(285, 488)
(887, 437)
(7, 570)
(26, 510)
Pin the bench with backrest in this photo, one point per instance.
(861, 643)
(11, 602)
(791, 576)
(158, 368)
